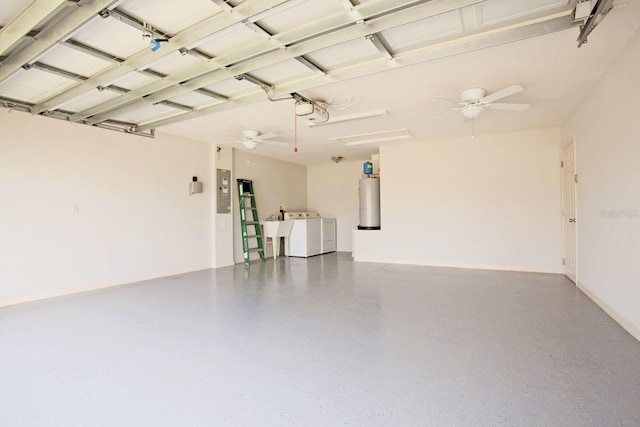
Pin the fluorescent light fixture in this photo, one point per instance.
(349, 117)
(374, 137)
(376, 140)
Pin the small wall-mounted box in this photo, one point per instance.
(195, 186)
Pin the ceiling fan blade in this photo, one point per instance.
(440, 112)
(510, 107)
(503, 93)
(448, 98)
(266, 136)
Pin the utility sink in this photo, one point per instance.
(275, 230)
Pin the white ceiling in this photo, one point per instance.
(435, 48)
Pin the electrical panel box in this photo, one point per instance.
(224, 191)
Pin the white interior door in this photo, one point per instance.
(569, 180)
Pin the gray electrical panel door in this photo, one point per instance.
(224, 190)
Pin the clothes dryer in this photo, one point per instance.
(305, 238)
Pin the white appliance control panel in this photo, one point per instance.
(294, 215)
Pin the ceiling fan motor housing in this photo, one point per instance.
(472, 97)
(474, 94)
(250, 133)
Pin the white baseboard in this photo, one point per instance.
(54, 294)
(612, 312)
(521, 269)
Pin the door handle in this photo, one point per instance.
(572, 220)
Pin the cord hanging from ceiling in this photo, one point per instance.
(295, 129)
(473, 128)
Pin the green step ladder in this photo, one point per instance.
(249, 217)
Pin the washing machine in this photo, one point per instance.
(305, 238)
(329, 235)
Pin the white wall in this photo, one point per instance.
(135, 217)
(333, 191)
(490, 202)
(274, 182)
(607, 131)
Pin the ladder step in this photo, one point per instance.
(247, 202)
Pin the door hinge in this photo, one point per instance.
(561, 164)
(564, 262)
(575, 178)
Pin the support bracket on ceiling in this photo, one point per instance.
(600, 10)
(379, 44)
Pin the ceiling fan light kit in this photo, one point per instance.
(472, 111)
(250, 144)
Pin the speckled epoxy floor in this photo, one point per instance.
(323, 341)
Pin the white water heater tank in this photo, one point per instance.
(369, 204)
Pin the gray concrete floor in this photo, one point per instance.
(323, 341)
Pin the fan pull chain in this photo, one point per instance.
(295, 130)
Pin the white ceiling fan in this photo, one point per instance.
(474, 101)
(251, 138)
